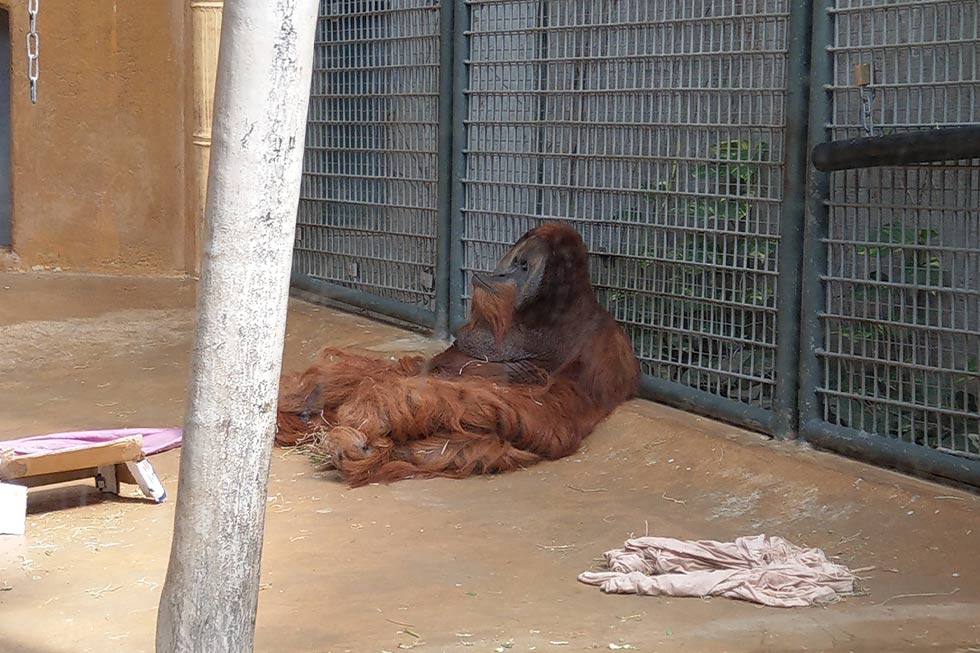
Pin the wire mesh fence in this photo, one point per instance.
(367, 213)
(662, 130)
(656, 128)
(901, 328)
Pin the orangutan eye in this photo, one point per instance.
(524, 266)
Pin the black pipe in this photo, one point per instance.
(705, 403)
(922, 146)
(359, 299)
(891, 452)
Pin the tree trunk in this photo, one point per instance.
(261, 96)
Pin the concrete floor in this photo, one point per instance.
(485, 564)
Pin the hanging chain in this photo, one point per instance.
(33, 48)
(863, 78)
(867, 119)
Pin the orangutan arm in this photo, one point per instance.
(309, 400)
(422, 427)
(446, 455)
(453, 363)
(548, 420)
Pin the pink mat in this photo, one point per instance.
(155, 440)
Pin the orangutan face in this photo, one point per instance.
(519, 273)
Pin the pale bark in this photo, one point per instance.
(210, 595)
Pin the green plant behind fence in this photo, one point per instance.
(886, 353)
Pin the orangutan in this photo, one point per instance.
(536, 367)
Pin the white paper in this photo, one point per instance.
(13, 509)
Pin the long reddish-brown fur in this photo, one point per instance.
(458, 414)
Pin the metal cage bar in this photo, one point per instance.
(460, 72)
(445, 230)
(815, 229)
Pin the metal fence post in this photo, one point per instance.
(785, 422)
(444, 230)
(460, 73)
(818, 188)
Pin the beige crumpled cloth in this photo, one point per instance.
(761, 569)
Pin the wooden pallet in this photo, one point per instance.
(109, 463)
